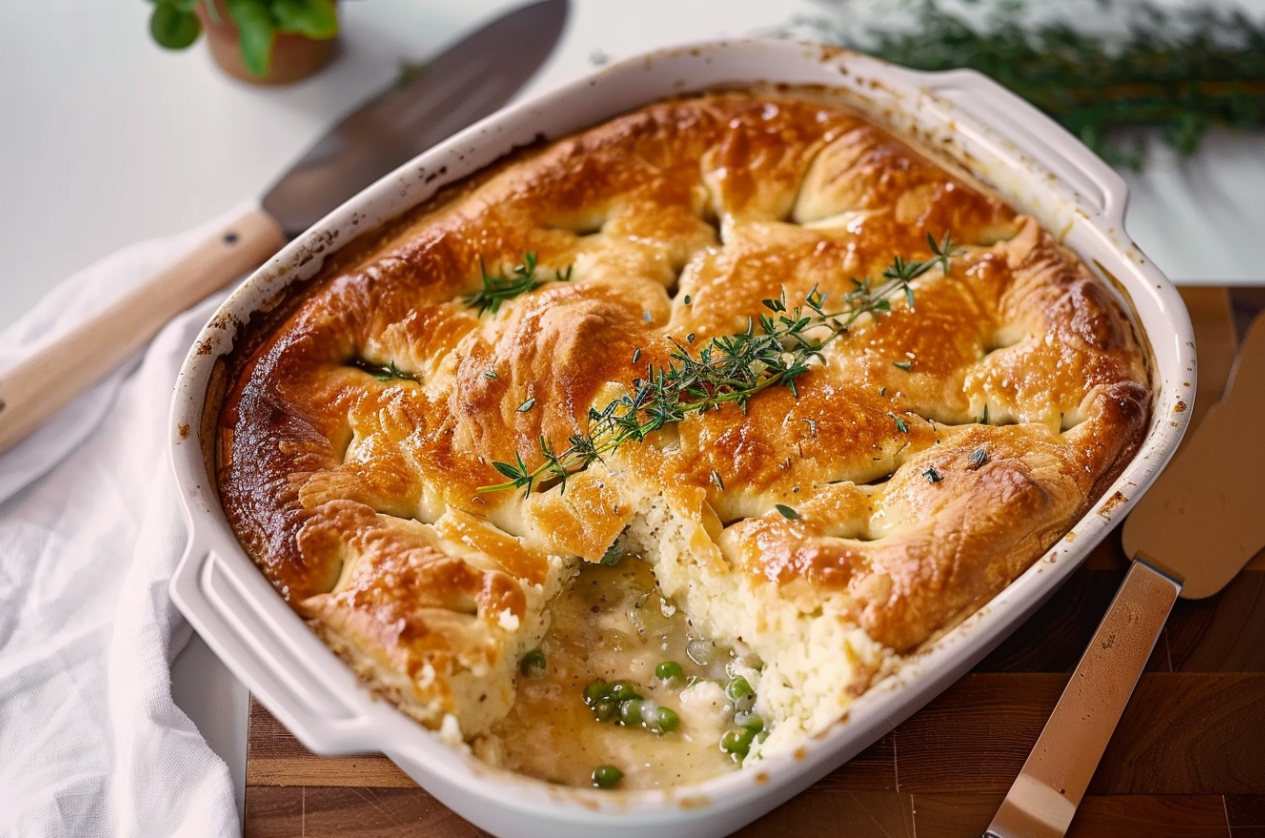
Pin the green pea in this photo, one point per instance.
(607, 776)
(595, 692)
(750, 721)
(739, 692)
(738, 688)
(630, 712)
(623, 691)
(737, 741)
(605, 709)
(533, 664)
(669, 671)
(663, 720)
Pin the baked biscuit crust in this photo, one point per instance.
(931, 455)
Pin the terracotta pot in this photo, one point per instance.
(294, 57)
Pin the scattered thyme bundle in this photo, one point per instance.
(730, 369)
(1179, 71)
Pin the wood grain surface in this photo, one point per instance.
(1187, 760)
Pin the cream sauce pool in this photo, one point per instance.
(611, 624)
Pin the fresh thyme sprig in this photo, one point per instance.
(497, 289)
(1182, 70)
(774, 350)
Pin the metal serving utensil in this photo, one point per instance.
(1189, 535)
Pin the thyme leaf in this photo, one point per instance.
(498, 289)
(613, 554)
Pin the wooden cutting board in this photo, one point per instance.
(1187, 760)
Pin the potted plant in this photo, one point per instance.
(262, 41)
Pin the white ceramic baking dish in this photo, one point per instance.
(1006, 142)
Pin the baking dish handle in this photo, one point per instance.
(1099, 186)
(230, 608)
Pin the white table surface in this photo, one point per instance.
(106, 140)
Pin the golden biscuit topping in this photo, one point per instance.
(834, 393)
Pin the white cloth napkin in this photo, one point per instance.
(91, 743)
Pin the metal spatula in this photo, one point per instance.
(1190, 534)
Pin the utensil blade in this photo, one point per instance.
(1189, 535)
(1201, 520)
(467, 81)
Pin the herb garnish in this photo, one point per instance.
(932, 475)
(788, 512)
(383, 372)
(497, 289)
(977, 458)
(612, 555)
(774, 350)
(1181, 70)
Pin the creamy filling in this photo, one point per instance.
(613, 625)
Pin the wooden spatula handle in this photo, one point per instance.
(54, 374)
(1044, 797)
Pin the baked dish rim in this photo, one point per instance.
(303, 683)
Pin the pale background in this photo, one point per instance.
(106, 140)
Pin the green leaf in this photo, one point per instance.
(787, 512)
(612, 555)
(258, 33)
(496, 289)
(508, 470)
(173, 28)
(314, 18)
